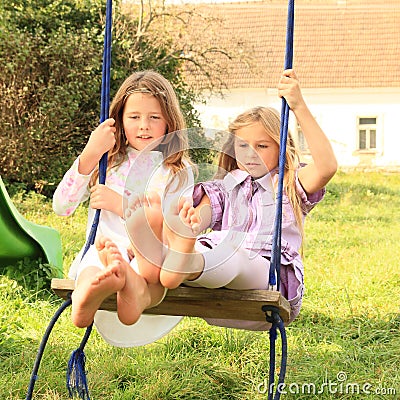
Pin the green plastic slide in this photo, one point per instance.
(20, 238)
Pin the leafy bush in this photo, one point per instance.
(31, 274)
(50, 78)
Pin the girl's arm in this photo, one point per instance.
(101, 140)
(73, 189)
(316, 175)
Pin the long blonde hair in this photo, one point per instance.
(270, 120)
(174, 146)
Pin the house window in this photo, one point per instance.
(367, 133)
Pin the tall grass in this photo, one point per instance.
(345, 344)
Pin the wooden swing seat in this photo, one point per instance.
(201, 302)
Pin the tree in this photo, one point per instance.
(49, 80)
(50, 74)
(188, 37)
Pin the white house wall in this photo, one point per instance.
(336, 110)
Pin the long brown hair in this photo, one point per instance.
(270, 120)
(174, 146)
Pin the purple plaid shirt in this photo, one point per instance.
(247, 206)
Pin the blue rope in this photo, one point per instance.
(272, 315)
(276, 240)
(39, 355)
(277, 325)
(76, 374)
(104, 113)
(76, 380)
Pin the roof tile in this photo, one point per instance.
(349, 43)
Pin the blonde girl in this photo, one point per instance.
(239, 207)
(269, 118)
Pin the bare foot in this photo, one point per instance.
(191, 218)
(143, 223)
(93, 287)
(105, 248)
(134, 296)
(182, 261)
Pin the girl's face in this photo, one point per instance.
(256, 152)
(143, 120)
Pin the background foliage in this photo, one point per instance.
(50, 76)
(49, 80)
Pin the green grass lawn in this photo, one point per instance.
(344, 345)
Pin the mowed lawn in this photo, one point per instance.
(344, 345)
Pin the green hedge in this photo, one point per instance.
(50, 77)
